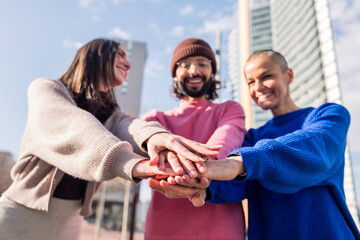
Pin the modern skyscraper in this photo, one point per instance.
(301, 31)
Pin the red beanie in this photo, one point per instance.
(192, 47)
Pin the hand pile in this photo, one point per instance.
(180, 168)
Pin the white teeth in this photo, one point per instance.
(264, 96)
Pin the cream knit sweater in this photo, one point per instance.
(62, 138)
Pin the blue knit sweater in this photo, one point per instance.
(295, 172)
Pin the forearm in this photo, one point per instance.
(135, 131)
(225, 169)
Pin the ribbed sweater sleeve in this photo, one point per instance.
(302, 158)
(73, 140)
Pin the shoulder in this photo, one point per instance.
(41, 84)
(328, 114)
(232, 106)
(48, 88)
(330, 110)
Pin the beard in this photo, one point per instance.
(193, 92)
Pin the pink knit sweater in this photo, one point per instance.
(205, 122)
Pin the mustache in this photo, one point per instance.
(203, 78)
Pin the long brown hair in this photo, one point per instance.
(92, 65)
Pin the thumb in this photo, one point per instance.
(154, 156)
(197, 199)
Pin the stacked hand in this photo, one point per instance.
(195, 189)
(179, 168)
(172, 155)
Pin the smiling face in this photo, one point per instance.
(194, 74)
(121, 67)
(269, 84)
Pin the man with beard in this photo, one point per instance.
(193, 68)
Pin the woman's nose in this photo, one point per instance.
(127, 65)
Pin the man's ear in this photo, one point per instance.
(290, 74)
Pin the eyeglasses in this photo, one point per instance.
(202, 64)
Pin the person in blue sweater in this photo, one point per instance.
(291, 170)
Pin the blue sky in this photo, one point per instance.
(39, 39)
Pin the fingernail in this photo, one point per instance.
(178, 170)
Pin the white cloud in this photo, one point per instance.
(169, 49)
(68, 43)
(117, 2)
(86, 3)
(153, 68)
(155, 28)
(203, 13)
(118, 32)
(187, 10)
(96, 18)
(94, 6)
(177, 31)
(222, 23)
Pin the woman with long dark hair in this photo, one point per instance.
(76, 137)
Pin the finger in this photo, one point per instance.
(174, 162)
(186, 147)
(203, 149)
(171, 180)
(198, 199)
(176, 191)
(188, 166)
(201, 167)
(155, 185)
(205, 145)
(203, 182)
(154, 156)
(161, 163)
(160, 176)
(179, 180)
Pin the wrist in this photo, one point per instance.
(240, 164)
